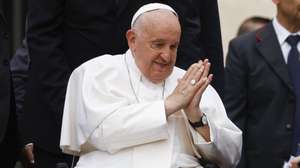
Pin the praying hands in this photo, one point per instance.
(187, 94)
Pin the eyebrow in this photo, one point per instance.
(161, 40)
(157, 40)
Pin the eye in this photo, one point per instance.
(157, 45)
(174, 47)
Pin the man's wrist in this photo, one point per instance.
(170, 107)
(199, 123)
(194, 115)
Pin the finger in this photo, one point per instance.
(190, 80)
(201, 88)
(188, 72)
(199, 73)
(200, 83)
(206, 69)
(205, 61)
(206, 83)
(180, 85)
(192, 73)
(195, 68)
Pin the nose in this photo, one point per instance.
(166, 55)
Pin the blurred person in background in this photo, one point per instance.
(262, 88)
(251, 24)
(9, 138)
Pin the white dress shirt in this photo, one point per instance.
(282, 34)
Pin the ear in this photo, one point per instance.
(131, 37)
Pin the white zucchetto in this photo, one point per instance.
(151, 7)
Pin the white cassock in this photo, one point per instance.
(115, 120)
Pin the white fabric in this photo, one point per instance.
(150, 7)
(282, 34)
(104, 124)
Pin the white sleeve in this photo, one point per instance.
(226, 138)
(131, 125)
(101, 113)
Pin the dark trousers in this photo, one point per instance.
(45, 159)
(10, 147)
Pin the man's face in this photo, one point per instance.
(289, 9)
(155, 49)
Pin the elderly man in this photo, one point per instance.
(62, 34)
(137, 110)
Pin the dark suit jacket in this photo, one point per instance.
(259, 98)
(62, 34)
(19, 64)
(5, 79)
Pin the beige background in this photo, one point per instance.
(233, 12)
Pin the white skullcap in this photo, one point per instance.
(150, 7)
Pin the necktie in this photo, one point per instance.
(294, 72)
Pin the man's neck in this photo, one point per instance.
(292, 25)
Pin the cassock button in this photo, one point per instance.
(288, 126)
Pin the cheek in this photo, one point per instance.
(147, 65)
(174, 56)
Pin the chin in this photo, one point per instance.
(160, 79)
(157, 81)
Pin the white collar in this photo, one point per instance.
(281, 32)
(136, 73)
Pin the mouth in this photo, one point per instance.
(162, 66)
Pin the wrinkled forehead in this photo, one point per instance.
(149, 8)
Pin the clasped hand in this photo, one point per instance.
(188, 92)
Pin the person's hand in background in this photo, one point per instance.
(28, 156)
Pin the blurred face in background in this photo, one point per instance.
(288, 14)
